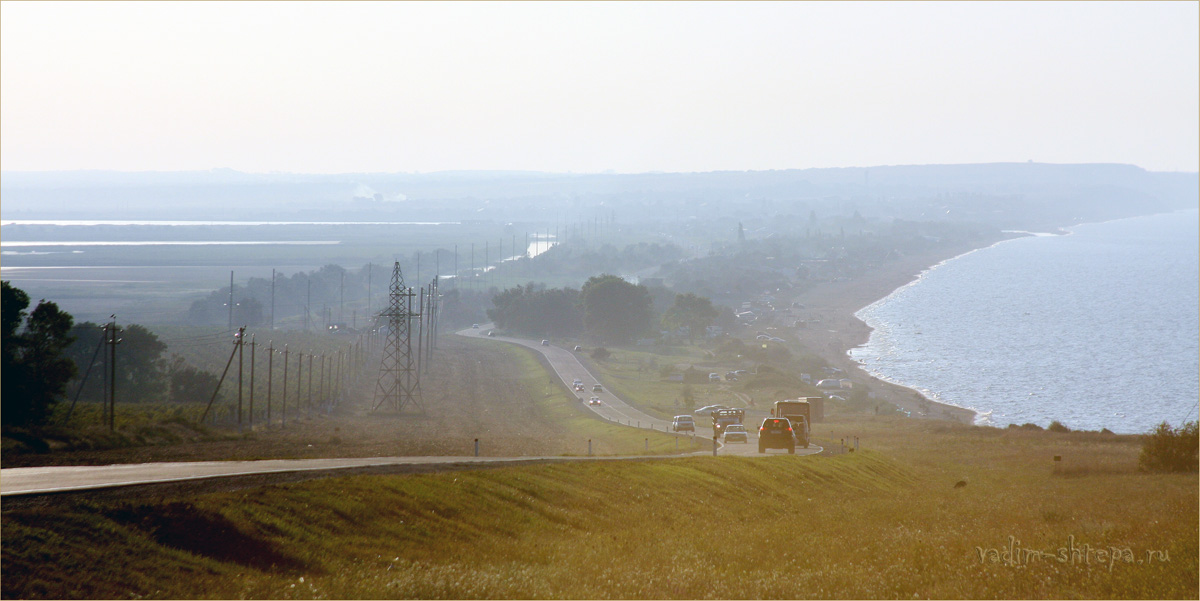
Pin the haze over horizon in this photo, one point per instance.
(327, 88)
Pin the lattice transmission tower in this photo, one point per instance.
(399, 379)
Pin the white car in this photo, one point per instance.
(594, 401)
(736, 433)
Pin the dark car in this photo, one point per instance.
(776, 433)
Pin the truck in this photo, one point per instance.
(725, 417)
(799, 412)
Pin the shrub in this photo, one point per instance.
(1171, 450)
(695, 376)
(1057, 426)
(1031, 426)
(600, 353)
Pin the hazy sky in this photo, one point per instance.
(630, 87)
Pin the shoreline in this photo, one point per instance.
(838, 330)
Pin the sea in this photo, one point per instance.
(1095, 327)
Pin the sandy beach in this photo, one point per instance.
(838, 330)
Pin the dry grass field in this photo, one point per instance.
(496, 393)
(924, 509)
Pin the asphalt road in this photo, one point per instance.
(56, 479)
(567, 366)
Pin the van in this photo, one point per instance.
(683, 423)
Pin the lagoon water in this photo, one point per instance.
(1096, 329)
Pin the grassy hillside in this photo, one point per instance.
(880, 523)
(923, 509)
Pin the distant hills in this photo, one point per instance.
(1020, 191)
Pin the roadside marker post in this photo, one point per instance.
(589, 447)
(647, 445)
(476, 447)
(714, 447)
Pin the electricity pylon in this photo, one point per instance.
(399, 381)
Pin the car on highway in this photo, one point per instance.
(736, 433)
(577, 385)
(491, 332)
(578, 348)
(474, 326)
(683, 423)
(776, 433)
(545, 343)
(594, 401)
(597, 388)
(714, 377)
(707, 410)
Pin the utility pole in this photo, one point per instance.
(272, 308)
(113, 341)
(270, 378)
(299, 382)
(253, 345)
(310, 378)
(231, 300)
(237, 345)
(420, 327)
(240, 345)
(283, 402)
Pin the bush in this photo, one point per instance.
(600, 353)
(1171, 450)
(1057, 426)
(694, 376)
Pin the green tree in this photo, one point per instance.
(1169, 449)
(141, 374)
(694, 312)
(534, 311)
(35, 369)
(140, 365)
(615, 311)
(189, 384)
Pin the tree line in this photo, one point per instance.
(45, 351)
(607, 309)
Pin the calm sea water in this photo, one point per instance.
(1096, 329)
